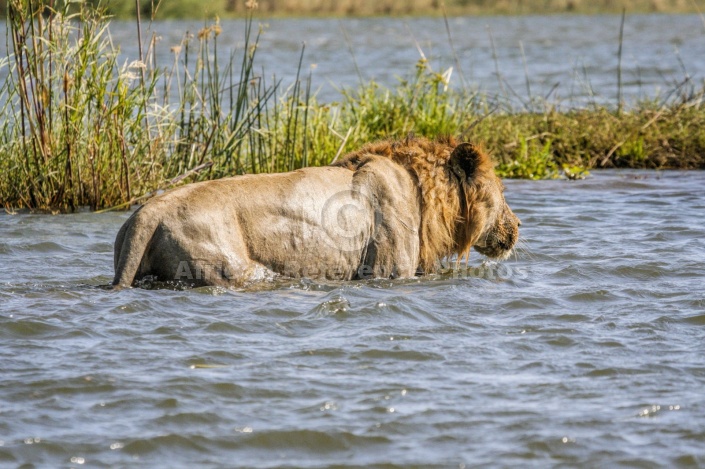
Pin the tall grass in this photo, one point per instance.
(70, 113)
(81, 129)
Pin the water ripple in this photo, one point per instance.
(585, 351)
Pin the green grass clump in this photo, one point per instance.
(646, 136)
(423, 105)
(73, 118)
(81, 129)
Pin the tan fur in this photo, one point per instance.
(452, 207)
(387, 210)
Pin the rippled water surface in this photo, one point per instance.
(571, 59)
(587, 349)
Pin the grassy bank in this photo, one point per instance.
(228, 8)
(81, 129)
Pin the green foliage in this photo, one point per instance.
(81, 130)
(633, 149)
(71, 113)
(422, 105)
(532, 160)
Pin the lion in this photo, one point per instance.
(392, 209)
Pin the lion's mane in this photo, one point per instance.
(445, 198)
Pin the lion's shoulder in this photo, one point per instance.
(411, 152)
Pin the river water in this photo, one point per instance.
(571, 59)
(586, 349)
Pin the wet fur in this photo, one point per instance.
(456, 197)
(417, 201)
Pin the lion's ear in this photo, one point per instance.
(468, 158)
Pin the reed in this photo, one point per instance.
(70, 113)
(82, 130)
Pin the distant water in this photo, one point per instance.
(586, 350)
(571, 59)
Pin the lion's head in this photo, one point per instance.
(461, 198)
(487, 223)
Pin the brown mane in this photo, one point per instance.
(446, 197)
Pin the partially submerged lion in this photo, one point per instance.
(391, 209)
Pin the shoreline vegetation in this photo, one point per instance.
(82, 130)
(197, 9)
